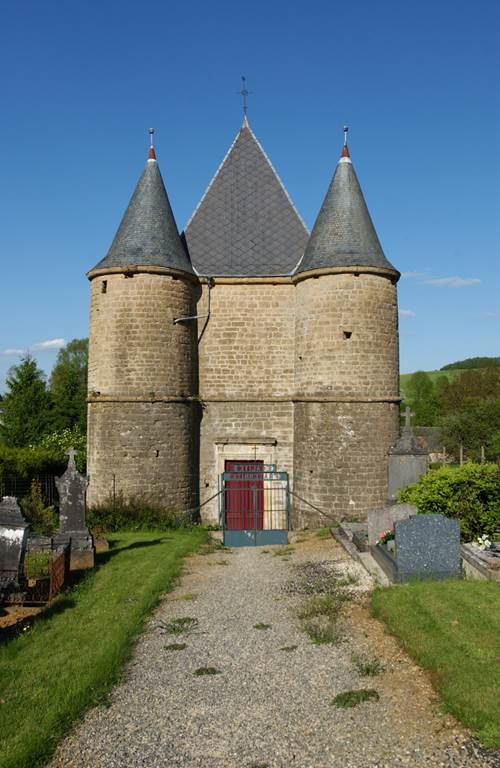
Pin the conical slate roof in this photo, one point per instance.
(245, 223)
(344, 235)
(148, 235)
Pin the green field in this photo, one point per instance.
(73, 654)
(452, 628)
(433, 375)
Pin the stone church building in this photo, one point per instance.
(246, 339)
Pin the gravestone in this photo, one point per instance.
(72, 488)
(407, 460)
(383, 519)
(13, 540)
(426, 547)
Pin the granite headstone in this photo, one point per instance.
(13, 540)
(427, 547)
(72, 488)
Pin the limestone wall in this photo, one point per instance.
(347, 389)
(346, 338)
(134, 346)
(142, 371)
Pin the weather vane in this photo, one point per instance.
(151, 134)
(346, 128)
(244, 93)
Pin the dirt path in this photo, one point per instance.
(266, 707)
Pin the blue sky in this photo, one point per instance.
(416, 82)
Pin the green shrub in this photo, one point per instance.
(133, 513)
(43, 519)
(470, 493)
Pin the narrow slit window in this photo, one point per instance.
(104, 286)
(347, 334)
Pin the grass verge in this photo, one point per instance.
(74, 653)
(452, 628)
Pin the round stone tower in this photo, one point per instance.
(142, 382)
(346, 412)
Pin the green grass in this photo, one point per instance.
(452, 628)
(260, 625)
(350, 699)
(365, 665)
(202, 671)
(75, 651)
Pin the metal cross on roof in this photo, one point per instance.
(244, 93)
(346, 128)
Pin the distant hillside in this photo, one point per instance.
(473, 362)
(433, 375)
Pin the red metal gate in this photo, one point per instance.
(244, 495)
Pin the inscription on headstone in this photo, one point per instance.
(72, 488)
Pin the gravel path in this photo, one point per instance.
(267, 708)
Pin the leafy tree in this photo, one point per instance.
(68, 386)
(25, 411)
(473, 362)
(420, 396)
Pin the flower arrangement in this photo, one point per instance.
(483, 542)
(386, 536)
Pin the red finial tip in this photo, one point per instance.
(151, 155)
(345, 151)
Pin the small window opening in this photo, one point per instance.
(157, 453)
(104, 286)
(347, 334)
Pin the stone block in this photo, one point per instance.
(383, 519)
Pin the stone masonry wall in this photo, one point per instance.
(246, 379)
(142, 367)
(340, 458)
(148, 447)
(346, 359)
(246, 350)
(134, 346)
(242, 431)
(330, 362)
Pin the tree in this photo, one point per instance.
(68, 386)
(421, 398)
(26, 406)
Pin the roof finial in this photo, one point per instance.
(151, 155)
(244, 92)
(345, 149)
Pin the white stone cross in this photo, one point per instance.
(71, 453)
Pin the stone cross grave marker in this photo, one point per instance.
(72, 488)
(13, 540)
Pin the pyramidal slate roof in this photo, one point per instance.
(245, 223)
(344, 235)
(148, 235)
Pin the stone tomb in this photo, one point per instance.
(13, 540)
(407, 460)
(72, 487)
(426, 547)
(383, 519)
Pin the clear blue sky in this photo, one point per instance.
(416, 81)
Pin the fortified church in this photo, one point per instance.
(244, 341)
